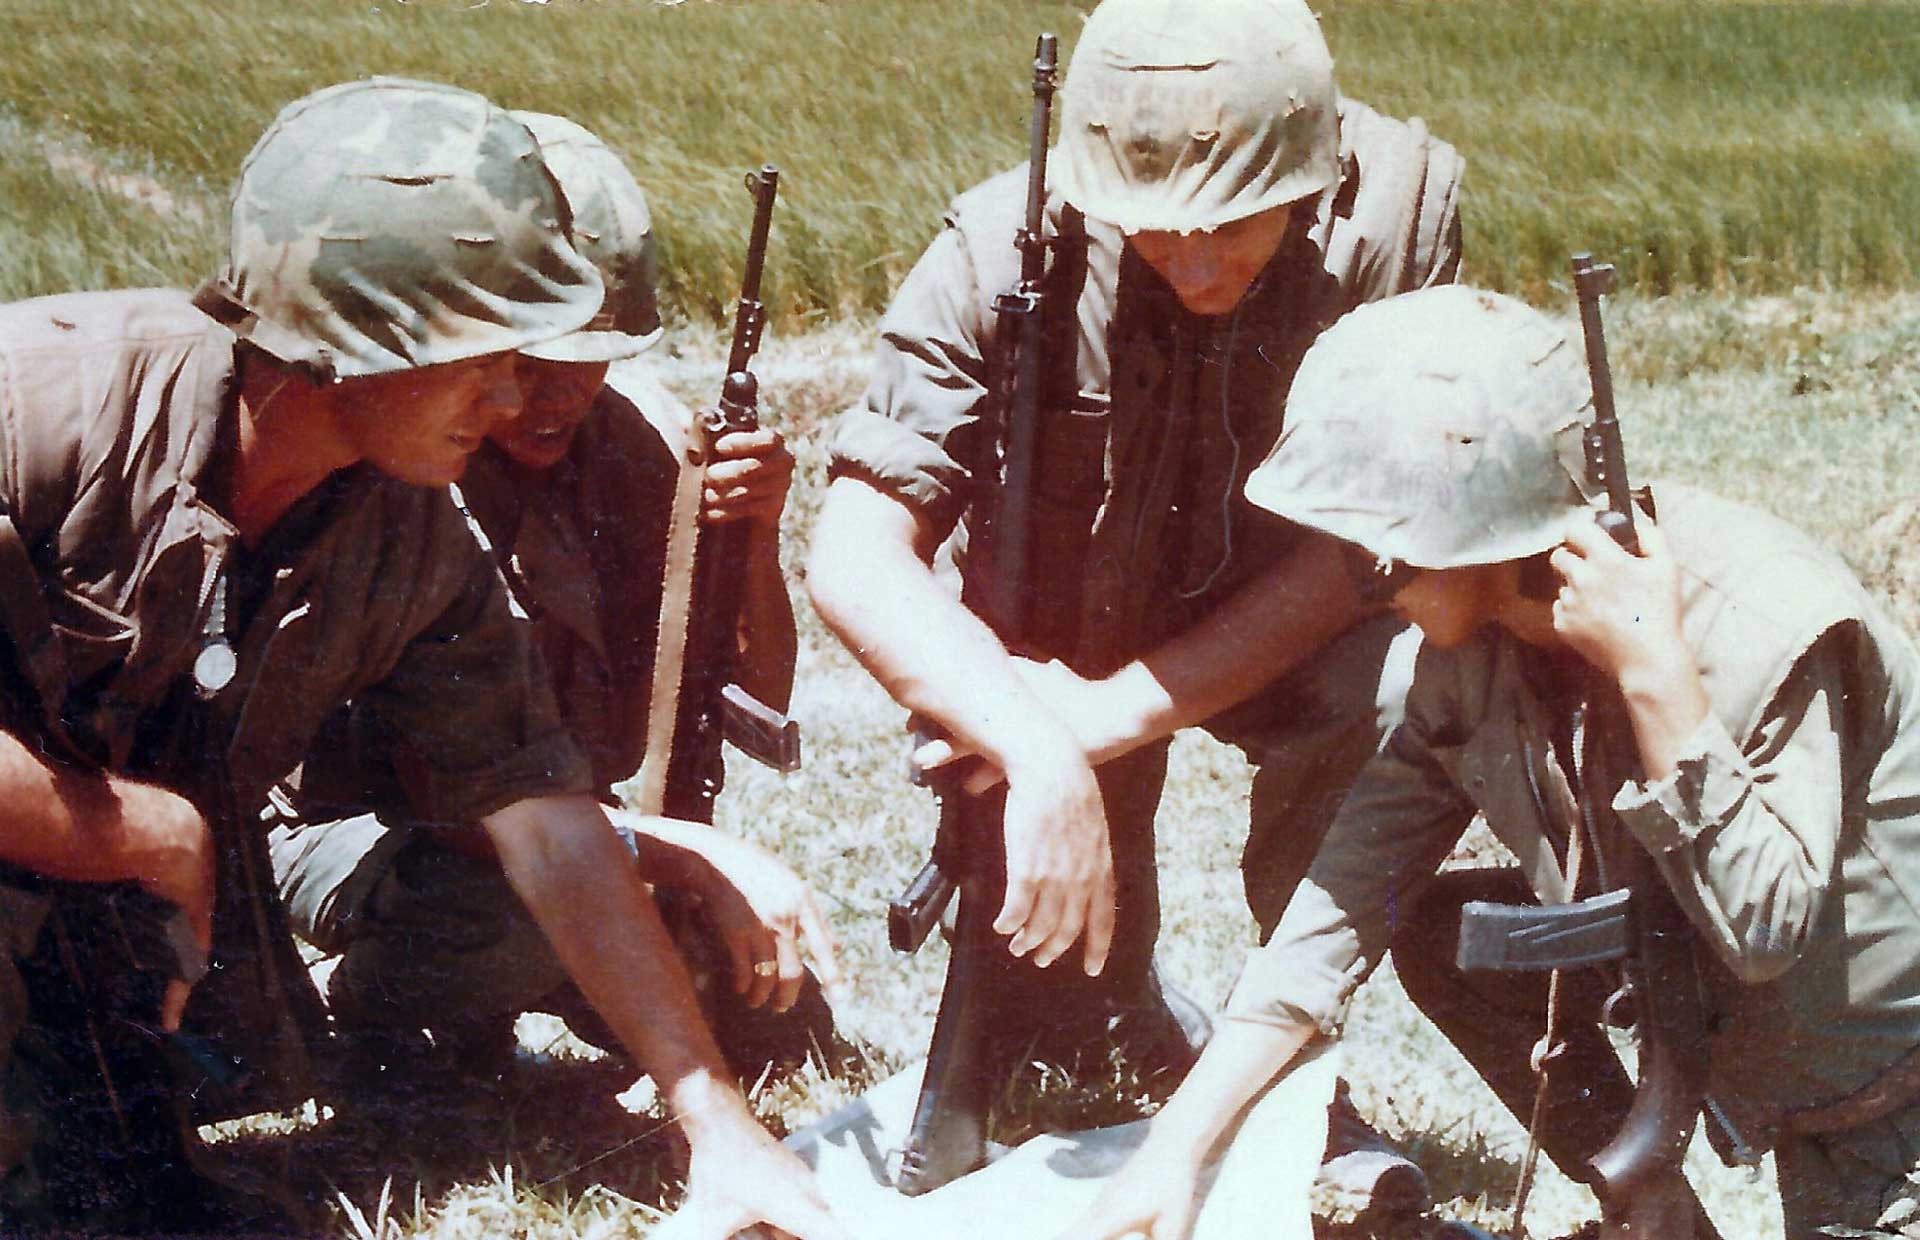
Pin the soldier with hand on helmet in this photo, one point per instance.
(221, 518)
(1753, 722)
(573, 496)
(1213, 205)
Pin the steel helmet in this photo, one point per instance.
(614, 230)
(1180, 116)
(1439, 429)
(387, 224)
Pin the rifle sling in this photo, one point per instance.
(670, 648)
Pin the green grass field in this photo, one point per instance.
(1727, 145)
(1754, 164)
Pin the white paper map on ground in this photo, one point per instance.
(1256, 1190)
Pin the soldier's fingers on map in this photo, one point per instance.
(808, 1219)
(1100, 923)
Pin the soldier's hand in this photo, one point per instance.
(736, 1182)
(1155, 1201)
(179, 868)
(768, 918)
(748, 478)
(1059, 862)
(1086, 708)
(1619, 611)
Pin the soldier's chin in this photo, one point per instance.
(1212, 301)
(535, 451)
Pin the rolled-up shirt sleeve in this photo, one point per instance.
(1389, 838)
(1746, 835)
(917, 432)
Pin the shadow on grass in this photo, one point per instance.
(547, 1135)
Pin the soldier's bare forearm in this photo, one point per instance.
(86, 826)
(567, 864)
(1263, 631)
(870, 582)
(1239, 1061)
(580, 884)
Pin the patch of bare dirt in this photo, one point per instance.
(137, 188)
(1890, 565)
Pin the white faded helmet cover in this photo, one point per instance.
(613, 229)
(1183, 115)
(1440, 428)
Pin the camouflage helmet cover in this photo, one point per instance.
(1440, 428)
(1181, 117)
(613, 229)
(387, 224)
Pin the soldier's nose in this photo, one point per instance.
(1192, 263)
(499, 399)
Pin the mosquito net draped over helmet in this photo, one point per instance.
(613, 229)
(1440, 428)
(388, 224)
(1181, 116)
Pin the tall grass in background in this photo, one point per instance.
(1725, 145)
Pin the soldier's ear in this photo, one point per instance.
(1538, 580)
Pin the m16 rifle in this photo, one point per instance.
(1637, 1175)
(696, 704)
(948, 1135)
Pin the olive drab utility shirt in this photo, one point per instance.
(1790, 833)
(116, 409)
(1151, 416)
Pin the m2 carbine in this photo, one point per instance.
(948, 1135)
(1637, 1175)
(697, 681)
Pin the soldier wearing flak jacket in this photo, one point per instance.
(1765, 752)
(1214, 205)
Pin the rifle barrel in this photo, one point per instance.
(1606, 455)
(749, 317)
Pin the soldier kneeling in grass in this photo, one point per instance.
(1751, 717)
(573, 498)
(222, 518)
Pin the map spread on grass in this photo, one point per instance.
(1258, 1185)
